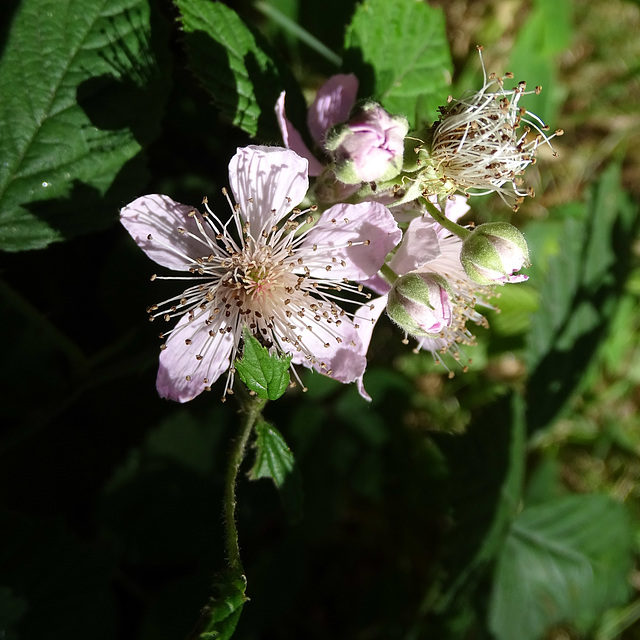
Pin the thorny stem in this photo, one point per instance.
(252, 409)
(443, 221)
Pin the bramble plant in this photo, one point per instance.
(335, 216)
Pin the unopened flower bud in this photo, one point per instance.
(493, 253)
(420, 303)
(370, 146)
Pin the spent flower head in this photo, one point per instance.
(269, 268)
(484, 141)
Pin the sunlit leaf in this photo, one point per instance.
(563, 561)
(579, 296)
(400, 53)
(234, 65)
(545, 34)
(82, 94)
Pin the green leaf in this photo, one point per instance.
(82, 94)
(275, 460)
(563, 561)
(399, 52)
(220, 617)
(516, 305)
(234, 65)
(545, 34)
(265, 374)
(486, 468)
(579, 297)
(273, 457)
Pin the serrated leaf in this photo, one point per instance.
(273, 457)
(563, 561)
(579, 297)
(233, 65)
(275, 460)
(220, 617)
(82, 94)
(266, 374)
(404, 45)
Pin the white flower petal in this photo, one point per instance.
(420, 245)
(153, 222)
(333, 349)
(367, 222)
(178, 361)
(267, 183)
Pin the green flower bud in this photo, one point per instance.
(420, 303)
(493, 253)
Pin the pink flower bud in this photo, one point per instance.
(370, 146)
(493, 253)
(420, 303)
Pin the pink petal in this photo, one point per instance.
(377, 284)
(332, 105)
(337, 350)
(153, 222)
(419, 246)
(178, 360)
(267, 182)
(455, 207)
(366, 317)
(342, 224)
(293, 140)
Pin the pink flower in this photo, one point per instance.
(332, 105)
(267, 268)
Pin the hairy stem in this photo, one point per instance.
(443, 221)
(252, 409)
(389, 274)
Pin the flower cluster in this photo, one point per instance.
(377, 218)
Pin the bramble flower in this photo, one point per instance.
(477, 147)
(369, 146)
(332, 105)
(430, 251)
(494, 252)
(269, 268)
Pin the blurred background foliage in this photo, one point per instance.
(501, 503)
